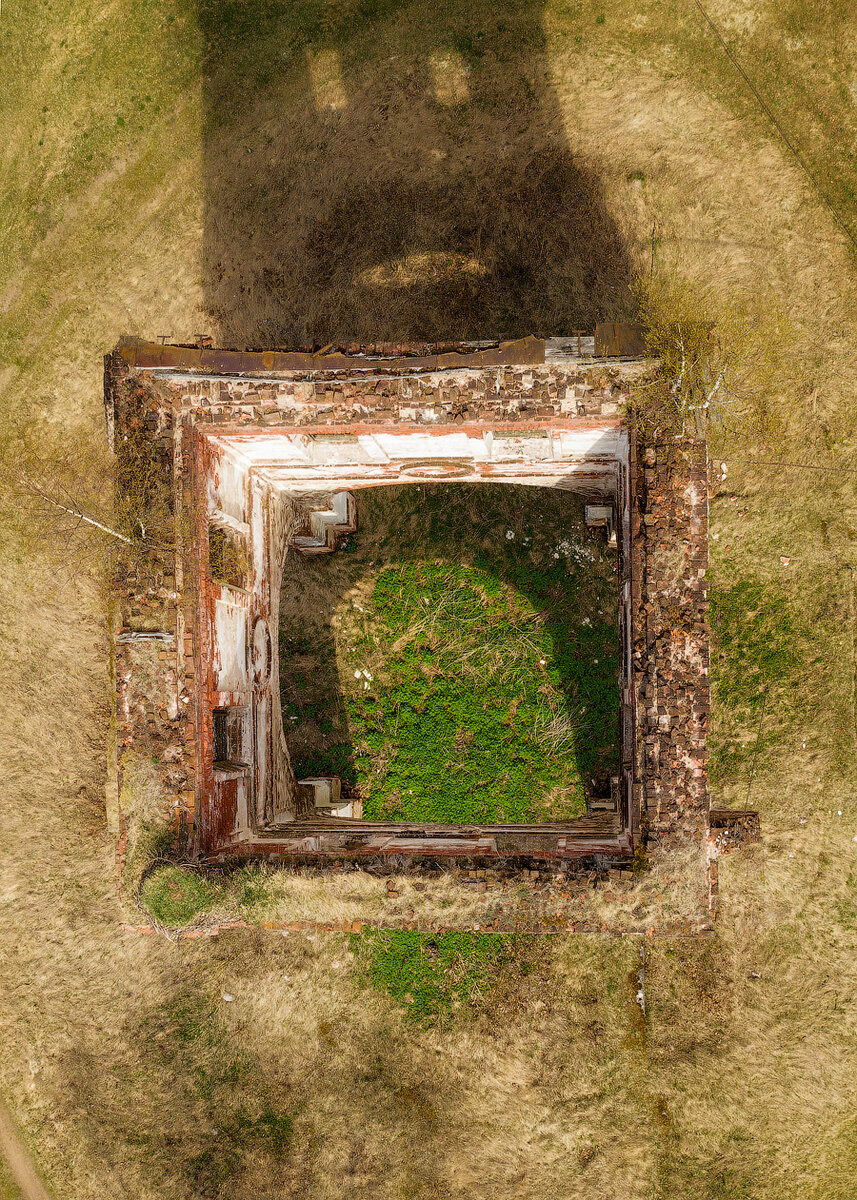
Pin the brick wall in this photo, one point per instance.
(495, 394)
(154, 651)
(164, 687)
(670, 636)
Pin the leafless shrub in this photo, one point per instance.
(70, 494)
(719, 360)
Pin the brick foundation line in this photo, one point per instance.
(684, 929)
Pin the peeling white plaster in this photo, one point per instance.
(230, 647)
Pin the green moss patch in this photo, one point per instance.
(753, 631)
(174, 896)
(755, 658)
(436, 975)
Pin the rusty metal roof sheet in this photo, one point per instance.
(617, 340)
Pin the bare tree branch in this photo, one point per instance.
(83, 517)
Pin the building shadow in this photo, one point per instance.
(395, 170)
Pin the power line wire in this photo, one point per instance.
(779, 128)
(755, 462)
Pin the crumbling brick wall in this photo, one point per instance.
(151, 721)
(163, 665)
(505, 393)
(670, 636)
(153, 660)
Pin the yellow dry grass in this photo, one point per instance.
(741, 1081)
(672, 891)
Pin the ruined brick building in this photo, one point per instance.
(252, 456)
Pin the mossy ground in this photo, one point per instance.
(174, 896)
(434, 976)
(756, 650)
(457, 659)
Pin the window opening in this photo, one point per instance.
(227, 557)
(229, 739)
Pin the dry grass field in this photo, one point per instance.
(313, 171)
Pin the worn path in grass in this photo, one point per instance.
(27, 1181)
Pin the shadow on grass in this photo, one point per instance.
(430, 742)
(390, 170)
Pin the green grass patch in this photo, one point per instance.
(480, 727)
(755, 659)
(473, 677)
(221, 1080)
(174, 895)
(435, 975)
(753, 633)
(250, 888)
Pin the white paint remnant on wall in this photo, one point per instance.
(227, 488)
(230, 647)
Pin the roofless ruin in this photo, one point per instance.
(252, 457)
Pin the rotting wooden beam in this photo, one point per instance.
(152, 356)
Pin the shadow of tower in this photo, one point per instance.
(395, 170)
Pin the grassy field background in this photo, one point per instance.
(171, 170)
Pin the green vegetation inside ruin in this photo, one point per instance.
(457, 661)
